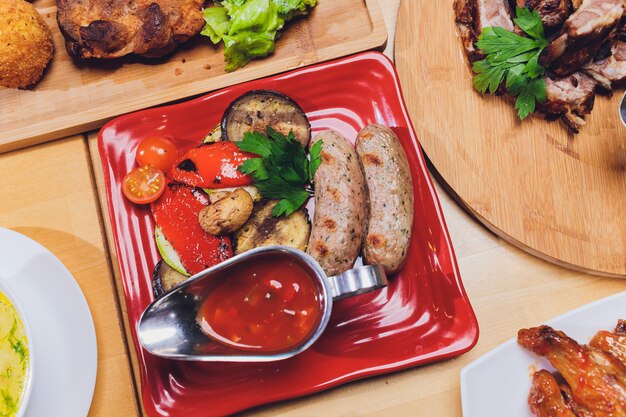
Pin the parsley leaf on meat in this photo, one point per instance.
(283, 170)
(514, 60)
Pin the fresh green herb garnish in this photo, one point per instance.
(283, 170)
(514, 60)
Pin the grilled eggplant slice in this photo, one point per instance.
(263, 229)
(257, 109)
(165, 278)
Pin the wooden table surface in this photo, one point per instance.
(49, 193)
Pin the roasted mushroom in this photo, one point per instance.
(228, 214)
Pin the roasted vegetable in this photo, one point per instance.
(215, 135)
(212, 166)
(228, 214)
(176, 215)
(165, 278)
(218, 194)
(263, 229)
(257, 109)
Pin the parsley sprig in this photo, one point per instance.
(283, 170)
(514, 60)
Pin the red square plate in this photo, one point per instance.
(424, 315)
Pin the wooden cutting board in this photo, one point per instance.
(76, 97)
(557, 195)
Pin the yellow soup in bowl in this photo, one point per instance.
(14, 358)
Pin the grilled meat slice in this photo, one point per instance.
(610, 71)
(571, 98)
(582, 35)
(474, 15)
(553, 12)
(592, 386)
(545, 398)
(114, 28)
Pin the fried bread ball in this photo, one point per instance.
(25, 44)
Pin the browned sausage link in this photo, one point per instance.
(390, 197)
(337, 232)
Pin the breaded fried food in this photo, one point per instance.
(25, 44)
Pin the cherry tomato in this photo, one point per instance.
(158, 152)
(144, 184)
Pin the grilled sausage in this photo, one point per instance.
(390, 197)
(337, 232)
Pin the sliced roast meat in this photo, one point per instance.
(464, 11)
(582, 35)
(610, 71)
(553, 12)
(472, 16)
(493, 13)
(571, 98)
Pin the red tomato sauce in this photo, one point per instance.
(270, 306)
(176, 213)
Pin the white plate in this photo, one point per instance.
(64, 339)
(497, 383)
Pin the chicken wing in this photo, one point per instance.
(545, 398)
(592, 386)
(611, 343)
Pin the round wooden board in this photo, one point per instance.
(557, 195)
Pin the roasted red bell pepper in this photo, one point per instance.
(212, 166)
(176, 213)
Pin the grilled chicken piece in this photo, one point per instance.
(610, 71)
(474, 15)
(611, 343)
(571, 98)
(114, 28)
(545, 398)
(553, 12)
(579, 410)
(592, 386)
(621, 327)
(582, 35)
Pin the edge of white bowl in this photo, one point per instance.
(28, 386)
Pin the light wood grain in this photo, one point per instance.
(508, 289)
(100, 190)
(48, 195)
(74, 98)
(557, 195)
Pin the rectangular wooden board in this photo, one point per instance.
(75, 97)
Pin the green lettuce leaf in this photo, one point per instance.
(217, 23)
(249, 28)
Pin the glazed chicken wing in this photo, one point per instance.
(590, 375)
(545, 398)
(612, 343)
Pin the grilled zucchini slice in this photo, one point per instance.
(263, 229)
